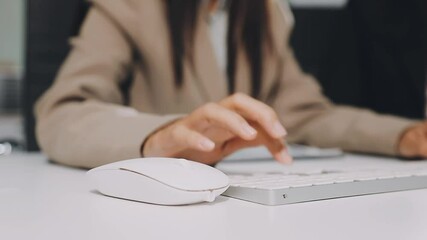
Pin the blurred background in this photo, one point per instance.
(365, 53)
(12, 36)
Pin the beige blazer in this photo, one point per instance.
(82, 120)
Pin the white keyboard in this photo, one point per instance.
(295, 187)
(296, 151)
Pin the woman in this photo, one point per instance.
(185, 101)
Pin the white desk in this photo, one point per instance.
(39, 200)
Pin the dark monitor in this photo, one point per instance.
(370, 54)
(50, 23)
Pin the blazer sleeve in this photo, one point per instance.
(313, 119)
(81, 119)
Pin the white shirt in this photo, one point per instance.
(218, 34)
(219, 25)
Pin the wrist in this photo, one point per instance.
(151, 141)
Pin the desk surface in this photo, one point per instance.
(40, 200)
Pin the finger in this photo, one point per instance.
(236, 144)
(275, 146)
(224, 118)
(218, 134)
(185, 138)
(256, 111)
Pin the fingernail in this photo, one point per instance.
(250, 131)
(285, 157)
(207, 144)
(279, 130)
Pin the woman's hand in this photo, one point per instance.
(216, 130)
(414, 141)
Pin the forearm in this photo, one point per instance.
(353, 129)
(92, 133)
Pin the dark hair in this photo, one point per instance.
(248, 25)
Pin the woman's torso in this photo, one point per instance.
(153, 89)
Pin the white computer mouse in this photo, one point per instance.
(165, 181)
